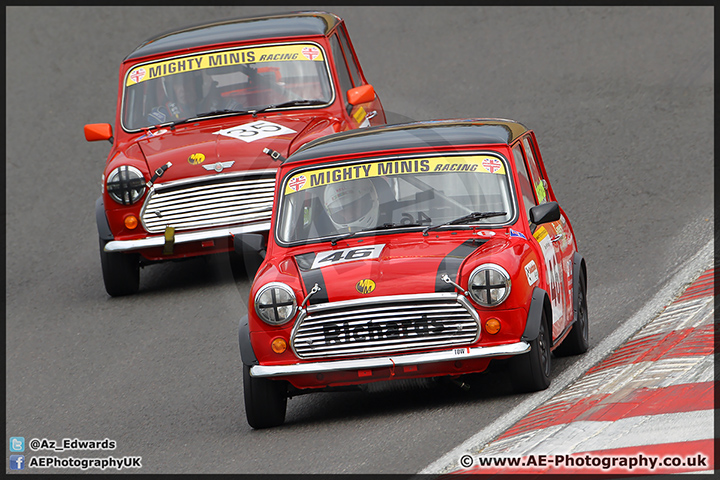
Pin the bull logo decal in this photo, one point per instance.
(196, 159)
(365, 286)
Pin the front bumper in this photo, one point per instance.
(458, 353)
(159, 240)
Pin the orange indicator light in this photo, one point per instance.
(131, 222)
(278, 345)
(492, 326)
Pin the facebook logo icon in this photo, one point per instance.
(17, 462)
(17, 444)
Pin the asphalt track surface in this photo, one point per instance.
(621, 99)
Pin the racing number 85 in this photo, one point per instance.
(256, 128)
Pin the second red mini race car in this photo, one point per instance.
(196, 109)
(410, 251)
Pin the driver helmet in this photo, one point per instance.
(191, 84)
(353, 205)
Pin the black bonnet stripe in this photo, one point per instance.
(311, 277)
(451, 263)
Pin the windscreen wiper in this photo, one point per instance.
(291, 103)
(384, 226)
(223, 111)
(464, 219)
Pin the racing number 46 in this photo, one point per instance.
(334, 257)
(345, 255)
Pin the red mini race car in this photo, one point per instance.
(410, 251)
(197, 109)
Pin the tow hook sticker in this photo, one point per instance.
(249, 132)
(151, 133)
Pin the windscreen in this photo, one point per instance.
(241, 79)
(333, 199)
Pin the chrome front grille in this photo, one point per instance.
(385, 324)
(218, 201)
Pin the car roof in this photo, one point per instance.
(435, 133)
(295, 24)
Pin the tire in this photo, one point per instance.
(121, 272)
(265, 400)
(577, 340)
(531, 371)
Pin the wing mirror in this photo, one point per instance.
(361, 94)
(98, 131)
(544, 213)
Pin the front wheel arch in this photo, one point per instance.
(530, 372)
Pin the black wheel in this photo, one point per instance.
(577, 340)
(121, 272)
(531, 371)
(265, 400)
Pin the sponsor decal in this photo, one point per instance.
(336, 257)
(360, 115)
(311, 53)
(365, 286)
(137, 75)
(531, 272)
(239, 56)
(344, 332)
(297, 182)
(540, 191)
(219, 166)
(492, 164)
(554, 273)
(515, 233)
(326, 176)
(249, 132)
(486, 233)
(196, 158)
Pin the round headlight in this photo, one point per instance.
(275, 303)
(126, 185)
(489, 285)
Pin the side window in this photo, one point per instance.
(342, 69)
(537, 179)
(350, 59)
(525, 185)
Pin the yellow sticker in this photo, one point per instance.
(540, 233)
(240, 56)
(540, 190)
(337, 174)
(196, 159)
(365, 286)
(360, 115)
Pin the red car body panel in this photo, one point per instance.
(382, 267)
(189, 150)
